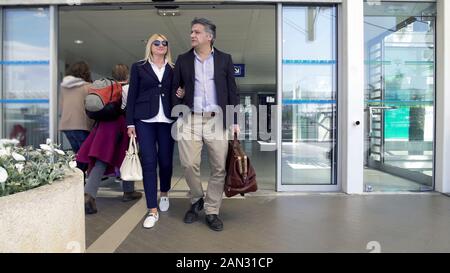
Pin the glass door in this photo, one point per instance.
(309, 98)
(399, 96)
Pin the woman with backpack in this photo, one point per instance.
(149, 120)
(104, 149)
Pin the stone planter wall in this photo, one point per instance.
(46, 219)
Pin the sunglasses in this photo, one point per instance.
(158, 43)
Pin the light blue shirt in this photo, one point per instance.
(205, 97)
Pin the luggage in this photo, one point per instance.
(241, 176)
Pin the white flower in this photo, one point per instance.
(73, 164)
(49, 153)
(5, 142)
(18, 157)
(46, 147)
(3, 175)
(14, 141)
(48, 141)
(3, 152)
(19, 167)
(58, 151)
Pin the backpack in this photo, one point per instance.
(241, 176)
(103, 100)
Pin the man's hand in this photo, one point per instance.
(131, 132)
(180, 93)
(235, 129)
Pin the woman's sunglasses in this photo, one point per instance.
(158, 43)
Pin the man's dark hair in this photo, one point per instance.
(209, 27)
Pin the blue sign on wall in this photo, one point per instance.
(239, 70)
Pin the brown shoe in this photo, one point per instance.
(89, 204)
(130, 196)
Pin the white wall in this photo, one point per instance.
(442, 172)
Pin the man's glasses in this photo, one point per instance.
(158, 43)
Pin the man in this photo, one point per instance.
(207, 76)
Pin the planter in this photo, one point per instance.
(45, 219)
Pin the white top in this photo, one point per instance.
(125, 87)
(160, 117)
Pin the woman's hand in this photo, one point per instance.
(180, 93)
(131, 132)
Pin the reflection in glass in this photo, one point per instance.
(26, 83)
(400, 84)
(309, 96)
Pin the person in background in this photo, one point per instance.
(120, 73)
(104, 150)
(74, 122)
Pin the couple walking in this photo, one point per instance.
(202, 80)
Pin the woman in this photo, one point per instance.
(104, 150)
(74, 122)
(148, 118)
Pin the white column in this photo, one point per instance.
(53, 70)
(351, 97)
(442, 171)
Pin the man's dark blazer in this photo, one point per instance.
(184, 76)
(144, 91)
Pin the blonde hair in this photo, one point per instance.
(148, 49)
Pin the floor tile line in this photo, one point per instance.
(113, 237)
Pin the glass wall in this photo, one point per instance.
(399, 96)
(309, 111)
(26, 83)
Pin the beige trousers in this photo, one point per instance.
(198, 130)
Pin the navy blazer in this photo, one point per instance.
(184, 76)
(144, 91)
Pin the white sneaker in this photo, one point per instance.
(151, 220)
(164, 203)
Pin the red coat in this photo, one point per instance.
(108, 141)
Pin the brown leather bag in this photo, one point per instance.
(241, 176)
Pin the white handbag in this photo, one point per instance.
(131, 169)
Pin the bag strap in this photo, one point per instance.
(132, 146)
(112, 89)
(242, 157)
(235, 140)
(135, 148)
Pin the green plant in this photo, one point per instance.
(25, 168)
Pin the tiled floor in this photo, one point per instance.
(267, 221)
(280, 223)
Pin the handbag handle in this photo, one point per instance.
(132, 146)
(235, 140)
(136, 149)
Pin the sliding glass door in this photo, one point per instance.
(309, 98)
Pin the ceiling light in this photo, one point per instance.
(78, 42)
